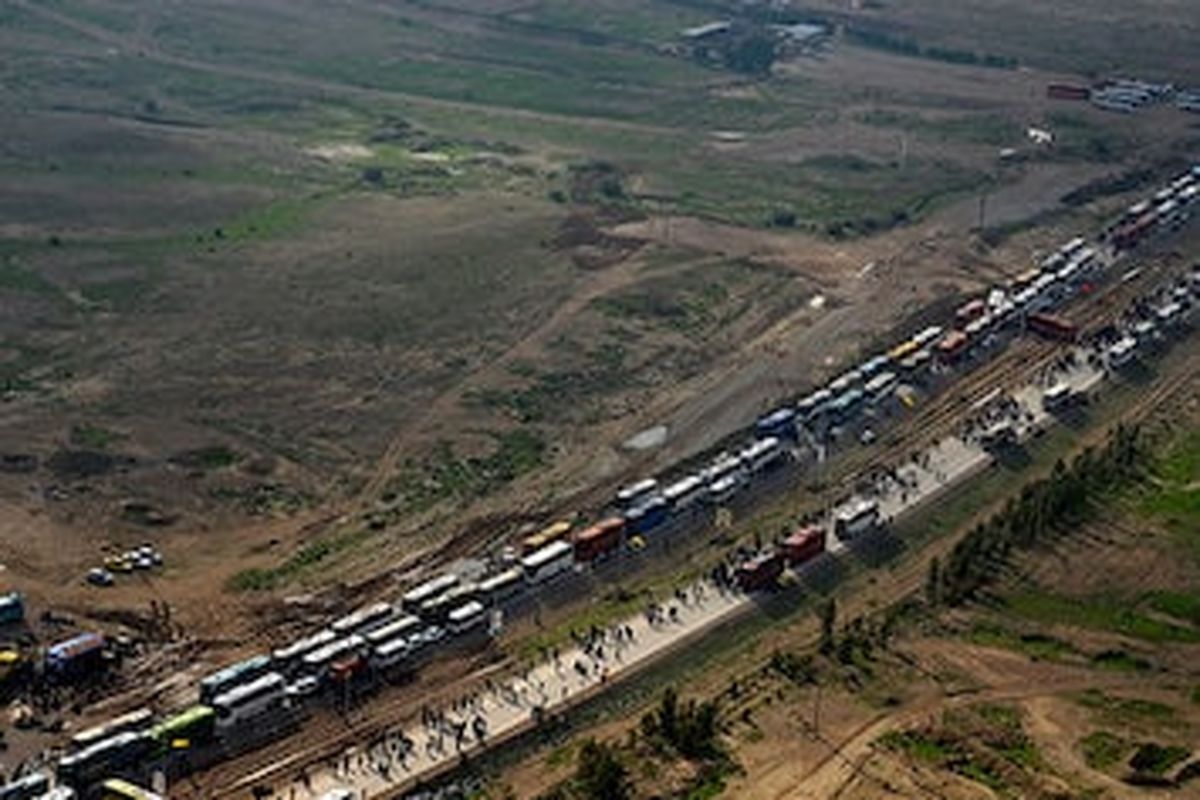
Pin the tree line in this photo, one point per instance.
(1044, 511)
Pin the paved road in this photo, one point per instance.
(506, 708)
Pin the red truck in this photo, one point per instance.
(952, 346)
(759, 572)
(1052, 327)
(347, 669)
(600, 539)
(804, 545)
(970, 311)
(1067, 91)
(1128, 236)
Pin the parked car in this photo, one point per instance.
(118, 564)
(98, 576)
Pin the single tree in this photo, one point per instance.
(599, 774)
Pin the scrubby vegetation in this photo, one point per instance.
(1044, 510)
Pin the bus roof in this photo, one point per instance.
(234, 671)
(264, 683)
(183, 719)
(545, 555)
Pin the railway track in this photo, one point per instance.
(1017, 366)
(327, 734)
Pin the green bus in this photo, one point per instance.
(184, 730)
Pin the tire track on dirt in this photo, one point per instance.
(599, 285)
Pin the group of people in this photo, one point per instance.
(468, 719)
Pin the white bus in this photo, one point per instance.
(685, 493)
(1122, 352)
(389, 654)
(428, 590)
(501, 586)
(762, 454)
(59, 793)
(251, 700)
(436, 608)
(80, 770)
(288, 657)
(405, 626)
(227, 678)
(881, 386)
(929, 335)
(466, 617)
(813, 406)
(364, 619)
(725, 464)
(28, 787)
(1057, 396)
(630, 495)
(722, 490)
(553, 559)
(133, 721)
(318, 661)
(858, 516)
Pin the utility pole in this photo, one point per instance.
(982, 210)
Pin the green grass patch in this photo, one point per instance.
(1155, 759)
(1172, 496)
(1005, 717)
(562, 755)
(258, 579)
(93, 437)
(567, 395)
(984, 129)
(1037, 646)
(918, 745)
(120, 295)
(1120, 661)
(1103, 749)
(1126, 710)
(1096, 613)
(23, 358)
(614, 606)
(1184, 606)
(17, 278)
(446, 475)
(207, 458)
(982, 773)
(1077, 137)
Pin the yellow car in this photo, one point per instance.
(118, 564)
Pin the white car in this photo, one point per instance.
(337, 794)
(148, 552)
(98, 576)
